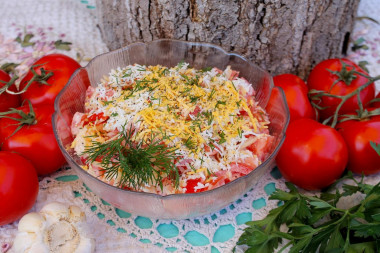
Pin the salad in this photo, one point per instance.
(171, 130)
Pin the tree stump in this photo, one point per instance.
(279, 36)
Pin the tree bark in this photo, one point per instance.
(279, 36)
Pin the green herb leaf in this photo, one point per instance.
(62, 45)
(190, 144)
(375, 146)
(316, 224)
(320, 204)
(359, 44)
(206, 69)
(219, 102)
(222, 137)
(363, 65)
(9, 67)
(25, 42)
(135, 163)
(181, 64)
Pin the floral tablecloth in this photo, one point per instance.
(116, 230)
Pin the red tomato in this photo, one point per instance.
(62, 68)
(313, 155)
(36, 141)
(322, 79)
(377, 103)
(295, 90)
(18, 186)
(8, 100)
(362, 158)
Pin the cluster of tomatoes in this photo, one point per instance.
(334, 124)
(27, 142)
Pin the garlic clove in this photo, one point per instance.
(39, 247)
(57, 228)
(56, 210)
(76, 214)
(31, 222)
(62, 237)
(86, 245)
(28, 243)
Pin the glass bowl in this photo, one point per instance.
(168, 53)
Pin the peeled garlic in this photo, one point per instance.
(56, 228)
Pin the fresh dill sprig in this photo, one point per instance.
(135, 163)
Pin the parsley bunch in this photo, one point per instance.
(316, 224)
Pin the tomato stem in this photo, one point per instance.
(26, 118)
(317, 94)
(345, 75)
(42, 78)
(8, 84)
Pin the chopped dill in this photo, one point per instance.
(192, 167)
(164, 72)
(186, 90)
(194, 99)
(240, 132)
(91, 136)
(222, 137)
(189, 143)
(234, 85)
(206, 69)
(212, 93)
(209, 117)
(181, 64)
(127, 73)
(107, 102)
(219, 102)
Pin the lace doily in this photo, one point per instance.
(114, 229)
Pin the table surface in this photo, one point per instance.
(115, 230)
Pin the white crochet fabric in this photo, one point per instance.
(113, 232)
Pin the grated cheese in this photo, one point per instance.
(211, 117)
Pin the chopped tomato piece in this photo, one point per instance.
(191, 183)
(240, 169)
(261, 147)
(97, 118)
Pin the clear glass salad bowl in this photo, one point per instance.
(169, 53)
